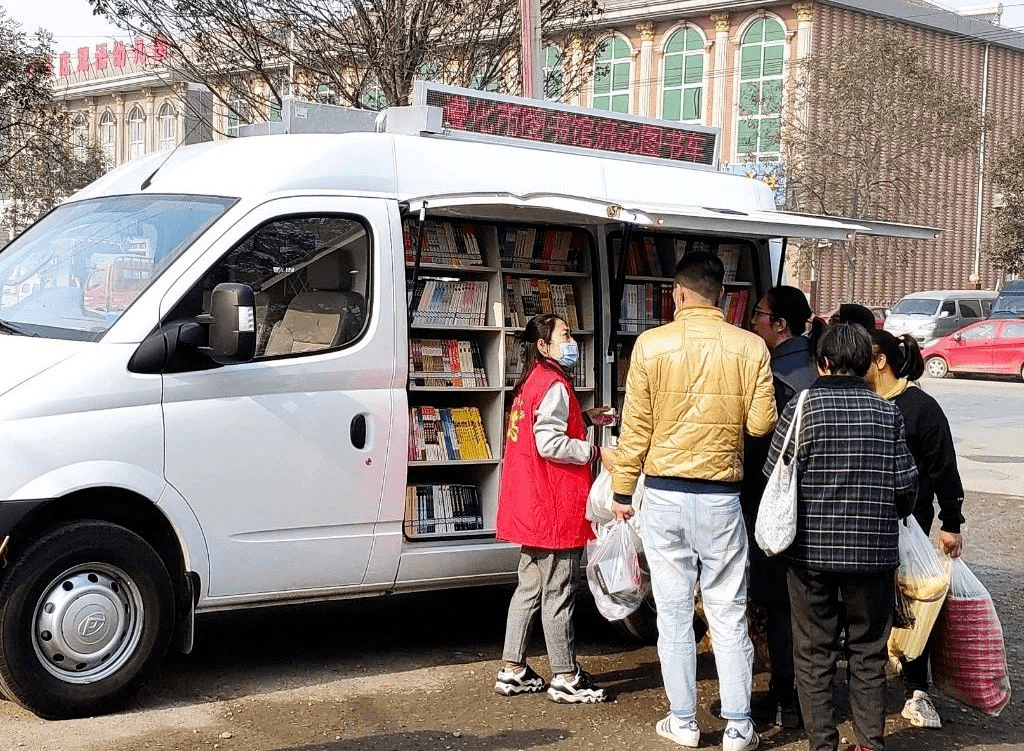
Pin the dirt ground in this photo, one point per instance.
(415, 673)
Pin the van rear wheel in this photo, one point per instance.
(86, 613)
(936, 367)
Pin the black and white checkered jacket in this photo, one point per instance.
(856, 476)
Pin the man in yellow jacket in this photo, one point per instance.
(695, 385)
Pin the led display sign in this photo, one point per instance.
(488, 115)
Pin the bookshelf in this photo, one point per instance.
(647, 285)
(477, 285)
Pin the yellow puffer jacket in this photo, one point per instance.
(694, 386)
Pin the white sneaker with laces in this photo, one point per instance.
(921, 712)
(740, 737)
(684, 733)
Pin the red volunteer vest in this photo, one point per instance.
(542, 503)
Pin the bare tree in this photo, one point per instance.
(870, 118)
(363, 53)
(39, 164)
(1005, 244)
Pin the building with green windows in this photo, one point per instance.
(732, 64)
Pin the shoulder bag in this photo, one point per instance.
(775, 528)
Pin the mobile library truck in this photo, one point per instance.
(304, 396)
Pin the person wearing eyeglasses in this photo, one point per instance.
(783, 318)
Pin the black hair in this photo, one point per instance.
(902, 353)
(539, 328)
(851, 312)
(701, 272)
(845, 349)
(790, 305)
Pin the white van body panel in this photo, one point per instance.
(24, 357)
(84, 422)
(262, 450)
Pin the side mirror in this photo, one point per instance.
(958, 336)
(232, 322)
(944, 314)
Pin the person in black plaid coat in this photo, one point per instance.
(856, 480)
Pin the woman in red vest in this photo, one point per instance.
(544, 484)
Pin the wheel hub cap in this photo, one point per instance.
(84, 621)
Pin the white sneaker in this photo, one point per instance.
(921, 712)
(677, 731)
(739, 738)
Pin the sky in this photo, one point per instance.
(73, 25)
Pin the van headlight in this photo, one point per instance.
(924, 329)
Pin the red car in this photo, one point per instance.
(991, 346)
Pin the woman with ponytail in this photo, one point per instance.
(784, 320)
(542, 503)
(896, 364)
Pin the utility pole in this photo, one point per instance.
(532, 68)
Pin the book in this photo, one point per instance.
(437, 509)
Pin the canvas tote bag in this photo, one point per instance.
(775, 528)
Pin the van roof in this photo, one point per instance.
(405, 167)
(483, 180)
(956, 294)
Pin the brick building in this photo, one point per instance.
(705, 61)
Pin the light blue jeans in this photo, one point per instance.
(681, 530)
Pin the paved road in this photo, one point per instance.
(987, 420)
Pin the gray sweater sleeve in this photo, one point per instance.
(550, 423)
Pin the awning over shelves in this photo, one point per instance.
(754, 223)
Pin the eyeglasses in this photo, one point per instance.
(759, 312)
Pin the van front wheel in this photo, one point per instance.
(86, 613)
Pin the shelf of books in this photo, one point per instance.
(647, 285)
(477, 284)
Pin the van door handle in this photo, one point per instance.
(357, 431)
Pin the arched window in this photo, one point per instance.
(136, 133)
(760, 107)
(80, 136)
(554, 73)
(108, 130)
(168, 127)
(613, 75)
(682, 96)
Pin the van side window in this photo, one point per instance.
(970, 309)
(948, 309)
(310, 278)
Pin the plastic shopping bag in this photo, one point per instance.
(922, 580)
(599, 501)
(968, 655)
(615, 575)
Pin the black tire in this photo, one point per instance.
(86, 614)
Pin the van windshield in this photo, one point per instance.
(1010, 302)
(916, 306)
(73, 273)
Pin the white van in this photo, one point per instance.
(267, 421)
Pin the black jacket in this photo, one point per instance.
(931, 445)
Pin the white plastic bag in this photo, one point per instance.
(775, 527)
(615, 575)
(599, 500)
(923, 580)
(968, 653)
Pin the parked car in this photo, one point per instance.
(1010, 303)
(930, 315)
(992, 346)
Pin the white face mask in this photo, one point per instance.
(569, 354)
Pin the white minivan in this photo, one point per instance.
(232, 429)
